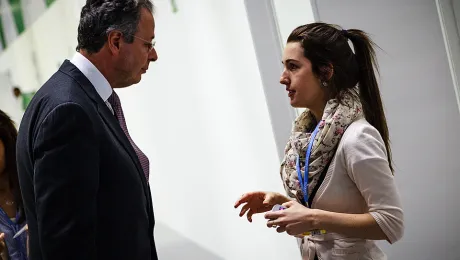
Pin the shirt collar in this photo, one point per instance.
(96, 78)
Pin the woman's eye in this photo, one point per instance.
(292, 67)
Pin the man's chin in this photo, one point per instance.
(136, 80)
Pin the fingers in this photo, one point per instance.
(279, 222)
(268, 200)
(244, 209)
(2, 242)
(243, 199)
(249, 215)
(281, 229)
(288, 204)
(294, 229)
(271, 215)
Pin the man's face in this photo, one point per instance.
(134, 58)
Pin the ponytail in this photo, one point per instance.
(369, 92)
(328, 45)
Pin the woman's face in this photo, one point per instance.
(2, 157)
(303, 86)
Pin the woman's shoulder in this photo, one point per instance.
(360, 129)
(362, 138)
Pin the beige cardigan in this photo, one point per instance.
(358, 181)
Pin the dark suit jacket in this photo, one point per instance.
(85, 194)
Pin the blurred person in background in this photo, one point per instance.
(25, 97)
(12, 217)
(83, 179)
(337, 170)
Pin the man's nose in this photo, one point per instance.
(153, 55)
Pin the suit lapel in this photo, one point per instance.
(70, 69)
(116, 129)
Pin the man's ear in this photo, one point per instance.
(114, 40)
(326, 72)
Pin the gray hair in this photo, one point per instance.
(99, 18)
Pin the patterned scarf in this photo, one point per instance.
(336, 118)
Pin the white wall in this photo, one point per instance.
(291, 14)
(9, 28)
(423, 118)
(456, 8)
(62, 41)
(267, 42)
(449, 12)
(35, 54)
(32, 10)
(456, 49)
(8, 103)
(199, 114)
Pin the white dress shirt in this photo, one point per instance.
(94, 76)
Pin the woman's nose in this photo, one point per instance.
(284, 80)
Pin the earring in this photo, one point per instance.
(324, 83)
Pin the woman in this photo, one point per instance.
(12, 217)
(346, 195)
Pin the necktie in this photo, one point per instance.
(114, 100)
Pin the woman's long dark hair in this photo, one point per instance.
(8, 135)
(326, 46)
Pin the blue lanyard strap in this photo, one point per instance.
(303, 181)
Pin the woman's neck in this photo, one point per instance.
(317, 114)
(4, 182)
(317, 110)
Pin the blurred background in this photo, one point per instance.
(213, 118)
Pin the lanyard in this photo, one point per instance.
(304, 180)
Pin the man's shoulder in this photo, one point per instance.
(59, 89)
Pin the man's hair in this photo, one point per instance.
(99, 17)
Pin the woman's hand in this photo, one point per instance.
(296, 219)
(259, 202)
(27, 243)
(2, 246)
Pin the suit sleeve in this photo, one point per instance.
(368, 167)
(66, 180)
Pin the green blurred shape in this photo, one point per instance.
(18, 16)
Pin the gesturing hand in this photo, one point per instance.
(258, 202)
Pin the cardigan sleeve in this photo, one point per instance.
(367, 166)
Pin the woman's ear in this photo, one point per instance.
(326, 72)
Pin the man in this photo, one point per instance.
(83, 179)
